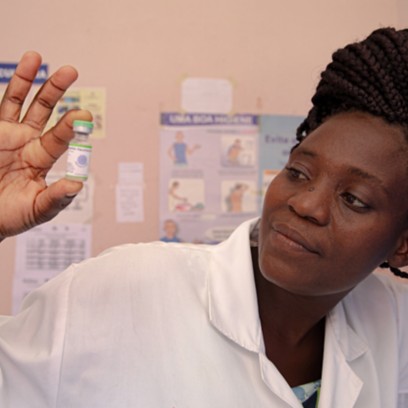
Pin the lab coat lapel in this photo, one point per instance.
(233, 307)
(341, 385)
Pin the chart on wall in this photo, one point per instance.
(214, 169)
(208, 175)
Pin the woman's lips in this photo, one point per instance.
(294, 239)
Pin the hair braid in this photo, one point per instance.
(395, 271)
(369, 76)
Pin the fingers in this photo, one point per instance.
(55, 198)
(56, 140)
(47, 97)
(19, 86)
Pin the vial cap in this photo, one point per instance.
(83, 126)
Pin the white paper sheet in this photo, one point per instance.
(45, 251)
(206, 95)
(129, 192)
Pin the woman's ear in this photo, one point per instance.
(399, 258)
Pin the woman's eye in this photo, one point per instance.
(295, 174)
(354, 201)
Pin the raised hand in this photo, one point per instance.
(26, 155)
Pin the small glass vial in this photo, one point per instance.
(79, 151)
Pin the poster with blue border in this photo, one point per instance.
(7, 70)
(277, 135)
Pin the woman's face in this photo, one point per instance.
(338, 209)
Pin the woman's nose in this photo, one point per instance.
(312, 203)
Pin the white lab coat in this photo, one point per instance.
(176, 326)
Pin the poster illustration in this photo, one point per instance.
(208, 175)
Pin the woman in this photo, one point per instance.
(285, 313)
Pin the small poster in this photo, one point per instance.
(208, 175)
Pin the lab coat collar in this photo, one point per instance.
(350, 344)
(233, 307)
(341, 348)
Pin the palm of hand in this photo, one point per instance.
(24, 164)
(26, 155)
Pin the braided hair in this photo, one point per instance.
(370, 76)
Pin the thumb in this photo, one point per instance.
(57, 196)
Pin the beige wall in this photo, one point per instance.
(140, 50)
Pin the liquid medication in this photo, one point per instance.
(79, 151)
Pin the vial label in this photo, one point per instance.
(78, 161)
